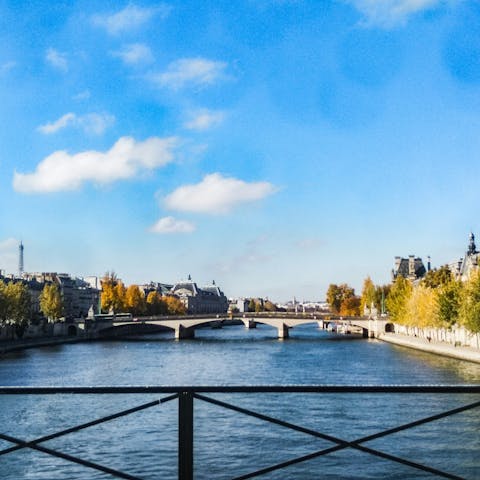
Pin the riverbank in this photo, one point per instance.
(439, 348)
(17, 345)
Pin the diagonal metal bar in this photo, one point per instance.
(416, 423)
(341, 444)
(273, 420)
(89, 424)
(336, 448)
(70, 458)
(326, 451)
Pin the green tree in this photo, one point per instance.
(438, 277)
(51, 302)
(381, 294)
(449, 297)
(368, 294)
(3, 302)
(251, 305)
(469, 311)
(396, 301)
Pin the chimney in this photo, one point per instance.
(411, 265)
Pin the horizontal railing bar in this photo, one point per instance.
(448, 389)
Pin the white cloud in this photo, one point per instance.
(57, 125)
(216, 194)
(91, 123)
(57, 59)
(172, 225)
(130, 18)
(190, 71)
(61, 171)
(391, 12)
(134, 54)
(204, 119)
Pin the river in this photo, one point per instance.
(228, 444)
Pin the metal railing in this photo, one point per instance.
(186, 397)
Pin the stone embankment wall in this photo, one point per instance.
(457, 335)
(456, 343)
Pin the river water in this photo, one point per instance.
(228, 444)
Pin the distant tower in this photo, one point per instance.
(20, 259)
(472, 248)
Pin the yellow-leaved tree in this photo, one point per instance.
(155, 304)
(396, 301)
(135, 300)
(368, 295)
(174, 305)
(51, 302)
(113, 293)
(421, 308)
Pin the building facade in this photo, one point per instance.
(411, 268)
(465, 266)
(209, 299)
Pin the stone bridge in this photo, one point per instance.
(184, 326)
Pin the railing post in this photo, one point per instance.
(185, 436)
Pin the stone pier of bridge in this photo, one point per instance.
(182, 332)
(249, 323)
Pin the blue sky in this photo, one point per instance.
(275, 146)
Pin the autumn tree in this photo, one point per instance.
(350, 306)
(113, 293)
(337, 294)
(421, 307)
(155, 304)
(51, 302)
(15, 305)
(174, 305)
(397, 299)
(269, 306)
(135, 300)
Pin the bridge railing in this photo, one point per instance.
(187, 396)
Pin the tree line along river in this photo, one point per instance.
(228, 444)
